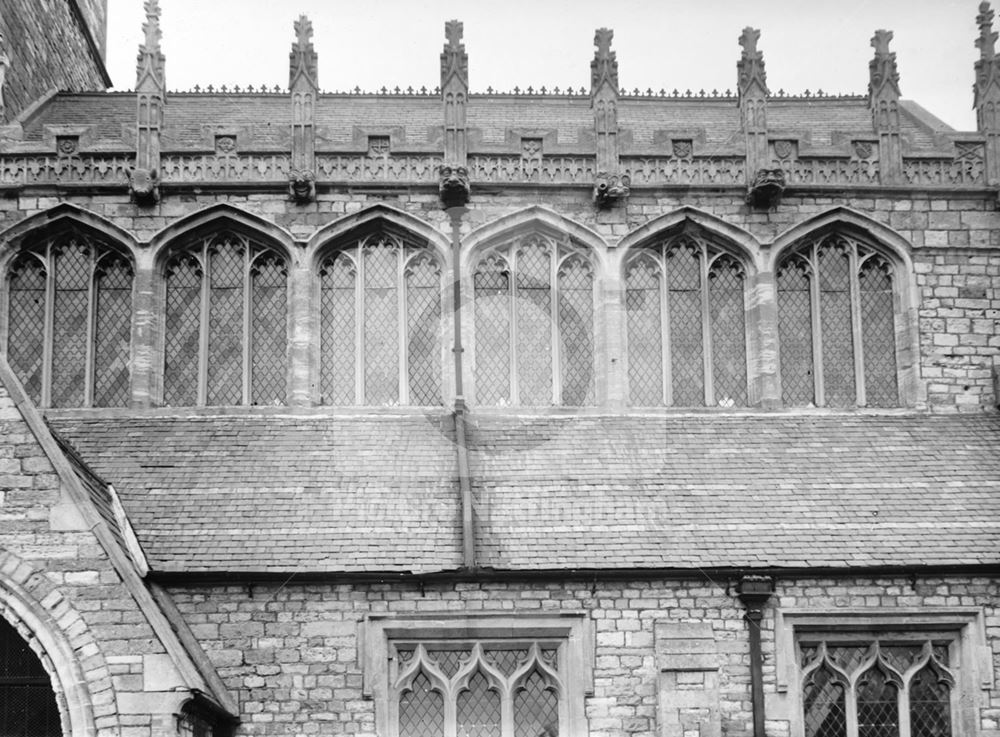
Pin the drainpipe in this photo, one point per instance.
(754, 591)
(461, 411)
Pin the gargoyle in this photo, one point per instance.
(609, 188)
(302, 186)
(765, 191)
(453, 185)
(143, 186)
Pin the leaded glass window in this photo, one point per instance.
(836, 325)
(876, 688)
(225, 323)
(69, 322)
(534, 324)
(27, 702)
(381, 323)
(685, 305)
(478, 689)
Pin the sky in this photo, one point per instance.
(668, 44)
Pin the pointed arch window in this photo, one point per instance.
(381, 323)
(28, 706)
(69, 321)
(837, 300)
(876, 688)
(685, 304)
(225, 336)
(534, 323)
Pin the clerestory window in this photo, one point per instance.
(837, 325)
(381, 323)
(534, 324)
(225, 333)
(69, 321)
(685, 303)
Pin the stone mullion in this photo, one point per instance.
(666, 348)
(89, 368)
(146, 335)
(507, 711)
(45, 395)
(402, 328)
(304, 368)
(247, 369)
(359, 327)
(762, 338)
(203, 325)
(555, 297)
(708, 360)
(855, 300)
(817, 328)
(903, 705)
(851, 709)
(515, 387)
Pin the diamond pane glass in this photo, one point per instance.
(824, 710)
(576, 331)
(478, 709)
(449, 661)
(835, 320)
(534, 323)
(507, 661)
(423, 314)
(729, 343)
(878, 334)
(268, 349)
(112, 332)
(70, 329)
(227, 257)
(795, 334)
(536, 708)
(686, 330)
(643, 310)
(492, 304)
(421, 710)
(930, 705)
(381, 323)
(26, 323)
(181, 341)
(878, 712)
(27, 702)
(339, 330)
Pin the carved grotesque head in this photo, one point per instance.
(765, 192)
(302, 186)
(453, 185)
(609, 188)
(143, 186)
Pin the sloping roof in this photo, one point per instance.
(496, 121)
(688, 491)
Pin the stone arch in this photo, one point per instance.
(897, 252)
(59, 637)
(372, 216)
(542, 218)
(217, 216)
(740, 242)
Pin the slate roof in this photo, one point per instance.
(687, 491)
(496, 122)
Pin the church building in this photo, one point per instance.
(442, 412)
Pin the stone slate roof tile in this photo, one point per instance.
(378, 493)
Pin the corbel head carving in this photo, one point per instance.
(302, 186)
(453, 185)
(610, 188)
(143, 186)
(766, 189)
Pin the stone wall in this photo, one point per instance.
(955, 243)
(49, 50)
(292, 655)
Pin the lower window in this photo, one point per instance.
(485, 676)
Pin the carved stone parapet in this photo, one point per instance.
(766, 189)
(610, 188)
(143, 186)
(302, 186)
(453, 185)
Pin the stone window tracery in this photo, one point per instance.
(837, 326)
(225, 336)
(686, 324)
(534, 324)
(876, 688)
(69, 316)
(381, 323)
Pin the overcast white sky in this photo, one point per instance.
(807, 44)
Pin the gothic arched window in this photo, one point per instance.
(685, 304)
(534, 324)
(69, 322)
(837, 326)
(28, 705)
(381, 323)
(225, 337)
